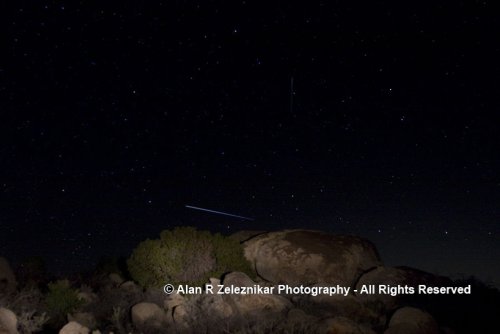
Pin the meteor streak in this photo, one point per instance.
(217, 212)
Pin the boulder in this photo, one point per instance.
(410, 320)
(130, 287)
(180, 316)
(116, 279)
(216, 305)
(8, 283)
(148, 315)
(83, 318)
(74, 327)
(297, 318)
(342, 325)
(172, 300)
(262, 305)
(309, 257)
(349, 306)
(8, 321)
(397, 276)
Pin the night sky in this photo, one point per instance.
(371, 118)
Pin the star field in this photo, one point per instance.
(377, 119)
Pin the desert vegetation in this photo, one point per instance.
(185, 255)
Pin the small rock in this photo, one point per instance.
(173, 300)
(8, 321)
(214, 281)
(84, 318)
(116, 278)
(148, 314)
(74, 327)
(130, 286)
(410, 320)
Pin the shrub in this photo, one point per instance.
(185, 255)
(60, 300)
(31, 322)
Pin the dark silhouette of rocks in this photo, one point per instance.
(110, 302)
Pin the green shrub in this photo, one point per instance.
(185, 255)
(61, 299)
(229, 257)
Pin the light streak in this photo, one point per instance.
(217, 212)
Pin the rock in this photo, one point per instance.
(214, 282)
(74, 327)
(149, 315)
(410, 320)
(116, 278)
(83, 318)
(342, 325)
(213, 304)
(8, 321)
(237, 278)
(254, 304)
(297, 317)
(309, 257)
(8, 283)
(130, 287)
(180, 315)
(398, 276)
(348, 306)
(154, 295)
(217, 306)
(173, 300)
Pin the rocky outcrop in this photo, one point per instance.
(317, 261)
(410, 320)
(310, 257)
(8, 321)
(8, 283)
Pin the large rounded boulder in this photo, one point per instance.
(309, 257)
(395, 277)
